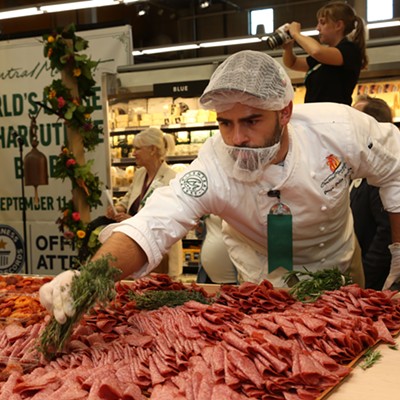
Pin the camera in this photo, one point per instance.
(279, 37)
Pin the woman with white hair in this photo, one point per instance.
(151, 147)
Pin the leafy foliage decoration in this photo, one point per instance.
(63, 48)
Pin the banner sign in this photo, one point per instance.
(24, 72)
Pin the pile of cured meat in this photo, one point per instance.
(252, 342)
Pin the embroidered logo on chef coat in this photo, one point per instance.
(332, 162)
(339, 176)
(194, 183)
(11, 250)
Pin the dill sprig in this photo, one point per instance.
(370, 358)
(154, 299)
(94, 285)
(313, 284)
(393, 347)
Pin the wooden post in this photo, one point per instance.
(75, 146)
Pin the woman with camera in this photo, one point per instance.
(332, 66)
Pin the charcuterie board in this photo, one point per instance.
(247, 342)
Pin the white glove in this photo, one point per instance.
(394, 273)
(55, 296)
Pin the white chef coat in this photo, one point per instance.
(329, 145)
(214, 256)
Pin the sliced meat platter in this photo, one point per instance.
(249, 342)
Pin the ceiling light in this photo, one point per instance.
(157, 50)
(311, 32)
(22, 12)
(143, 10)
(77, 5)
(205, 3)
(230, 42)
(383, 24)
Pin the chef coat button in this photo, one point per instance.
(321, 228)
(313, 174)
(323, 260)
(321, 245)
(324, 208)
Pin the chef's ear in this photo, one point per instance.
(285, 114)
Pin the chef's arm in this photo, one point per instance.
(394, 274)
(127, 255)
(56, 295)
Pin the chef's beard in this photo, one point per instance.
(248, 163)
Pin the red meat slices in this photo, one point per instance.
(250, 298)
(383, 332)
(137, 339)
(132, 392)
(245, 367)
(167, 392)
(310, 371)
(280, 349)
(14, 331)
(8, 387)
(365, 302)
(35, 382)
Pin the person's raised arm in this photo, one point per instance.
(323, 54)
(290, 59)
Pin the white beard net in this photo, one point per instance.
(246, 164)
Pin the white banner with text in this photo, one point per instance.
(24, 72)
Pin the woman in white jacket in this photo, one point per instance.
(151, 147)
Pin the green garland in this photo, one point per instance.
(76, 114)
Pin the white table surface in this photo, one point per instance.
(380, 382)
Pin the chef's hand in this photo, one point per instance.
(394, 274)
(55, 296)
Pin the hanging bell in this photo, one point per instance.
(35, 170)
(35, 163)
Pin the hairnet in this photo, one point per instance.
(248, 77)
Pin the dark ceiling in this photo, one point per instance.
(174, 20)
(170, 21)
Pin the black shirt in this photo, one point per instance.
(334, 83)
(372, 227)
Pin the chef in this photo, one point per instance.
(277, 175)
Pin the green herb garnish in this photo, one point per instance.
(313, 284)
(393, 347)
(94, 285)
(154, 299)
(370, 358)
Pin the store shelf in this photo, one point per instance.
(127, 161)
(166, 128)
